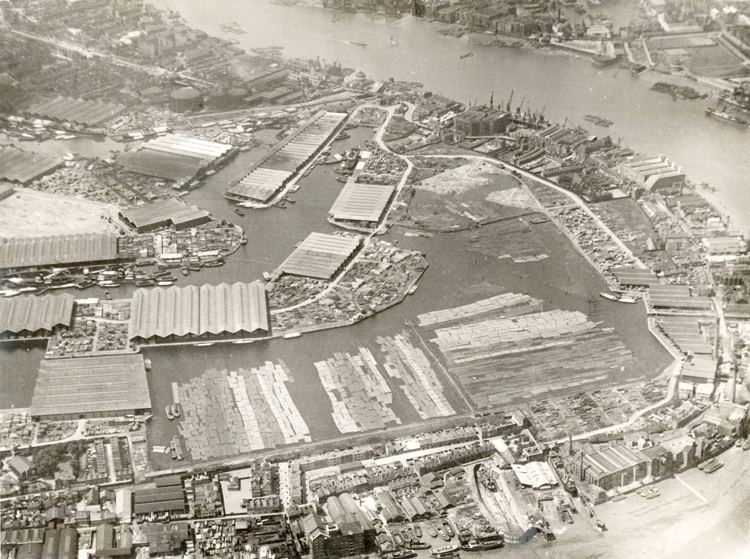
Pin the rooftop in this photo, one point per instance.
(361, 202)
(193, 310)
(23, 252)
(22, 166)
(91, 385)
(29, 313)
(320, 255)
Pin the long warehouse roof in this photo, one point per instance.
(320, 255)
(76, 110)
(282, 161)
(361, 202)
(162, 211)
(185, 145)
(23, 166)
(58, 249)
(35, 313)
(208, 309)
(112, 384)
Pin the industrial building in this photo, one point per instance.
(167, 497)
(22, 166)
(482, 121)
(700, 369)
(685, 333)
(361, 202)
(162, 315)
(60, 543)
(110, 386)
(164, 213)
(612, 467)
(35, 317)
(287, 158)
(634, 277)
(330, 540)
(165, 539)
(320, 256)
(58, 250)
(77, 111)
(656, 173)
(676, 298)
(174, 157)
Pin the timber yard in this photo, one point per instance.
(262, 306)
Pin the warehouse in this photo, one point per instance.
(320, 256)
(612, 467)
(164, 213)
(78, 111)
(161, 499)
(22, 166)
(676, 298)
(175, 158)
(35, 317)
(162, 315)
(361, 202)
(111, 386)
(700, 369)
(287, 158)
(634, 277)
(58, 250)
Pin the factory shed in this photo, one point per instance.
(29, 551)
(35, 316)
(700, 369)
(84, 248)
(22, 166)
(51, 544)
(161, 315)
(78, 111)
(635, 277)
(361, 202)
(677, 298)
(174, 157)
(165, 539)
(320, 256)
(537, 475)
(159, 500)
(91, 387)
(164, 213)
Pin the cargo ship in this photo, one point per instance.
(726, 117)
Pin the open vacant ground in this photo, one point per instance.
(28, 213)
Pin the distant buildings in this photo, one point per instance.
(164, 213)
(348, 533)
(657, 173)
(619, 465)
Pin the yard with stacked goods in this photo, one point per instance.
(505, 350)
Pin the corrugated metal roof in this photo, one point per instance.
(320, 255)
(208, 309)
(269, 175)
(32, 313)
(361, 202)
(58, 249)
(162, 212)
(112, 384)
(22, 166)
(69, 109)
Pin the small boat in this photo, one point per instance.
(392, 41)
(213, 263)
(165, 283)
(413, 289)
(432, 531)
(444, 550)
(169, 413)
(418, 531)
(626, 299)
(147, 364)
(357, 43)
(204, 344)
(466, 54)
(608, 296)
(239, 212)
(292, 335)
(266, 276)
(184, 271)
(176, 410)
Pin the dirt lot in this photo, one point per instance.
(28, 213)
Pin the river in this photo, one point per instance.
(564, 86)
